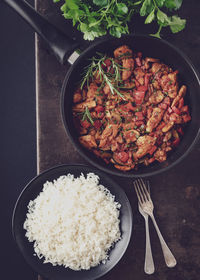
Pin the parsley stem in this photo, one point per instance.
(157, 34)
(155, 4)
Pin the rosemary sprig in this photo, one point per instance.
(112, 79)
(87, 74)
(87, 115)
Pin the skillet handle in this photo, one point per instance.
(61, 45)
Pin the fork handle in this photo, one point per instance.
(149, 264)
(168, 256)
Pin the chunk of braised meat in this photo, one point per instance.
(181, 94)
(167, 136)
(172, 91)
(131, 135)
(88, 141)
(128, 66)
(83, 130)
(156, 97)
(104, 136)
(139, 76)
(119, 139)
(156, 84)
(128, 96)
(169, 84)
(80, 107)
(123, 51)
(106, 89)
(92, 91)
(168, 126)
(173, 77)
(121, 157)
(110, 104)
(128, 126)
(108, 134)
(98, 77)
(160, 155)
(156, 67)
(148, 60)
(138, 72)
(115, 128)
(114, 146)
(100, 97)
(115, 115)
(129, 84)
(155, 118)
(77, 97)
(123, 160)
(145, 144)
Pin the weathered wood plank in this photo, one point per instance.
(176, 193)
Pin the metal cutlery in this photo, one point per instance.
(146, 205)
(149, 267)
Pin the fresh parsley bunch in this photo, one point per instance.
(96, 18)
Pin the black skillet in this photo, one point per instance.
(32, 190)
(63, 47)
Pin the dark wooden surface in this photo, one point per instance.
(176, 193)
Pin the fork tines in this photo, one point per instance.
(141, 190)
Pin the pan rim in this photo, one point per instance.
(118, 172)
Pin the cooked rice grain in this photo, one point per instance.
(73, 222)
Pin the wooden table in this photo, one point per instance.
(176, 193)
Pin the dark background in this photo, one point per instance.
(18, 130)
(18, 115)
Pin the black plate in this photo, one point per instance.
(32, 190)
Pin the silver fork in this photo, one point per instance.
(149, 267)
(146, 205)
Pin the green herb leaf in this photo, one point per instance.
(122, 8)
(173, 4)
(115, 31)
(100, 2)
(72, 4)
(83, 27)
(163, 18)
(160, 3)
(64, 8)
(150, 17)
(146, 8)
(87, 115)
(177, 24)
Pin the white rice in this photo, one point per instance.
(73, 222)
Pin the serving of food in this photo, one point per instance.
(73, 222)
(129, 110)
